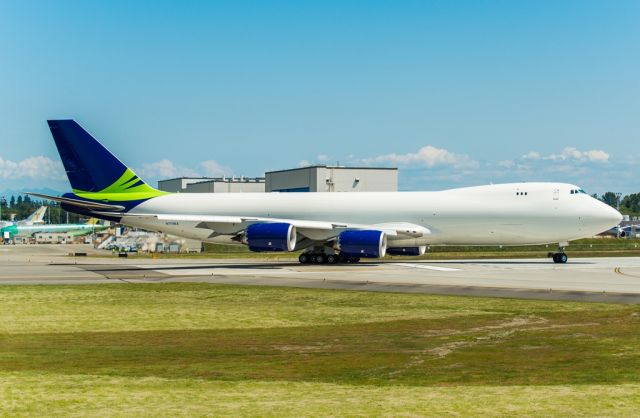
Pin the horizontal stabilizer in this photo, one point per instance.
(80, 203)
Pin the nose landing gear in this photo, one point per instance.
(559, 257)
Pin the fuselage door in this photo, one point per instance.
(556, 194)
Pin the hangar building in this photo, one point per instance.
(325, 178)
(317, 178)
(213, 185)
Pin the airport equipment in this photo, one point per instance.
(329, 227)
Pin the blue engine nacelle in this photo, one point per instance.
(367, 244)
(412, 251)
(270, 237)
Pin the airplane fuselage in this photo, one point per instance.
(505, 214)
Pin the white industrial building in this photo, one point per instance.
(317, 178)
(324, 178)
(179, 184)
(228, 185)
(213, 185)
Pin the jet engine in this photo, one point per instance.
(270, 237)
(412, 251)
(367, 244)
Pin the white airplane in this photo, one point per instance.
(36, 218)
(622, 231)
(329, 227)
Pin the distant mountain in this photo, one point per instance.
(45, 190)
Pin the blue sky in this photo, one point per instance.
(454, 93)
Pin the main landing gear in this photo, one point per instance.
(321, 258)
(559, 257)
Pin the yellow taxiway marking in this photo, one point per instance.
(619, 271)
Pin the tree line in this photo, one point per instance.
(628, 205)
(21, 207)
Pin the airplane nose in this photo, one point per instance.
(609, 215)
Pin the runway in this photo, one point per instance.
(585, 279)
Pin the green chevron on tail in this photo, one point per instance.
(127, 188)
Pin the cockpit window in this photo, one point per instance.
(576, 191)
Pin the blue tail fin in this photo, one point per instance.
(89, 166)
(94, 173)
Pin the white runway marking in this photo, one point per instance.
(424, 266)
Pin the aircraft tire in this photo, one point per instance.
(304, 259)
(332, 259)
(560, 258)
(320, 259)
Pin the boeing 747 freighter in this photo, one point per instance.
(329, 227)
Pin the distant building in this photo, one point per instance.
(213, 185)
(228, 185)
(324, 178)
(179, 185)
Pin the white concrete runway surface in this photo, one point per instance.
(590, 279)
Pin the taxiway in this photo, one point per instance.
(613, 279)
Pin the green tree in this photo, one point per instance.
(3, 207)
(631, 203)
(611, 199)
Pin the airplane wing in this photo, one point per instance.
(314, 230)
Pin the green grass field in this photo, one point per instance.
(205, 350)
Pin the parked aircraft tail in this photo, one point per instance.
(36, 217)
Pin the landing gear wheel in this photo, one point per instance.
(304, 259)
(332, 259)
(320, 259)
(560, 258)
